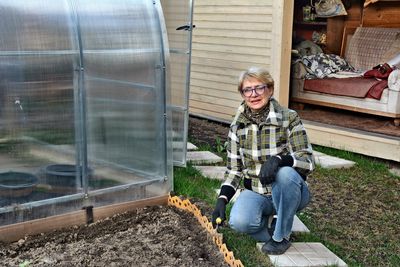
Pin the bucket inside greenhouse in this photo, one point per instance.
(64, 175)
(17, 184)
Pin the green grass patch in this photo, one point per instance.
(354, 212)
(189, 182)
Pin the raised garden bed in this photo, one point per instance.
(154, 236)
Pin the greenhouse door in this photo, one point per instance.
(178, 18)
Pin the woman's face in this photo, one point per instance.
(256, 101)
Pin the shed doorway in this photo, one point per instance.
(329, 35)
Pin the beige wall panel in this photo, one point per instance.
(222, 64)
(222, 117)
(236, 35)
(228, 95)
(234, 25)
(212, 85)
(228, 48)
(259, 18)
(232, 72)
(217, 101)
(210, 109)
(228, 80)
(234, 2)
(239, 9)
(229, 37)
(255, 59)
(243, 42)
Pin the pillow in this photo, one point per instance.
(367, 46)
(392, 54)
(329, 8)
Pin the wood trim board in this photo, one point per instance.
(351, 108)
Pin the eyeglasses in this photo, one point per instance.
(259, 90)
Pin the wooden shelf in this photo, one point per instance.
(310, 23)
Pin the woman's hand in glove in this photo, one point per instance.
(219, 212)
(268, 170)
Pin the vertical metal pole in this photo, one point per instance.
(187, 85)
(80, 105)
(164, 82)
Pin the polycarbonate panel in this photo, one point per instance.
(83, 116)
(178, 17)
(122, 58)
(38, 52)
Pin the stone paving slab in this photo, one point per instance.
(191, 146)
(202, 157)
(329, 162)
(321, 159)
(216, 172)
(305, 254)
(299, 226)
(395, 171)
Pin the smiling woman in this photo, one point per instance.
(269, 148)
(256, 87)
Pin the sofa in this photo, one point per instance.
(363, 48)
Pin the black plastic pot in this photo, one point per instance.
(62, 175)
(17, 184)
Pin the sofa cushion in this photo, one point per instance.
(392, 52)
(354, 87)
(367, 46)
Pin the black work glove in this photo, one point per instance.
(268, 170)
(219, 212)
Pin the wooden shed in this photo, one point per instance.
(233, 35)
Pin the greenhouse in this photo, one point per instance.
(86, 111)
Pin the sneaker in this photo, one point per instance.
(275, 248)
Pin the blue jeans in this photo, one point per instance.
(251, 210)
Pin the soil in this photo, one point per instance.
(153, 236)
(207, 132)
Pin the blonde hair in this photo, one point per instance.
(258, 73)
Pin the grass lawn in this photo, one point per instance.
(354, 212)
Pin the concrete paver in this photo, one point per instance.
(202, 157)
(299, 226)
(305, 254)
(330, 162)
(191, 146)
(216, 172)
(395, 171)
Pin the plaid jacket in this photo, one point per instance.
(250, 145)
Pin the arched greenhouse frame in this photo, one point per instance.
(86, 109)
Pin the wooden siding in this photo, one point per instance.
(382, 14)
(229, 37)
